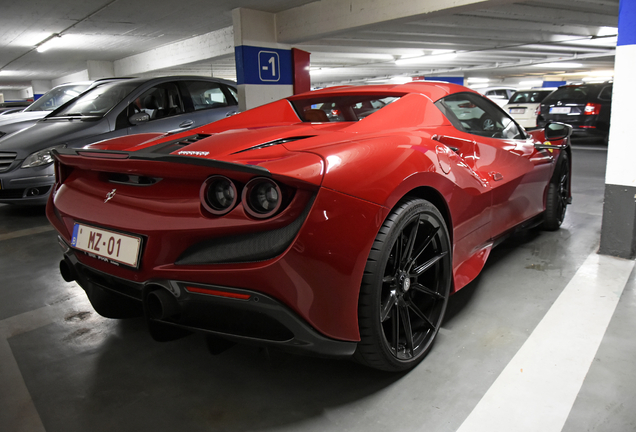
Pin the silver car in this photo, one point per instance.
(168, 104)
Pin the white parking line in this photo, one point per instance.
(537, 389)
(26, 232)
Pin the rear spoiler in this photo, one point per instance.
(65, 155)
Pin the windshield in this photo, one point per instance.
(530, 96)
(57, 97)
(340, 108)
(99, 100)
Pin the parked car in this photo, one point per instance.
(499, 95)
(280, 226)
(524, 105)
(12, 107)
(116, 108)
(28, 115)
(586, 107)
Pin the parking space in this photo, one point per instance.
(74, 370)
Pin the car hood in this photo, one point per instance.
(44, 134)
(14, 122)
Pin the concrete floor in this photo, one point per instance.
(64, 368)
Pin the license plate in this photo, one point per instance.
(517, 110)
(560, 110)
(107, 245)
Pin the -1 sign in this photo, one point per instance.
(268, 66)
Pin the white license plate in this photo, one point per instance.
(517, 110)
(560, 110)
(108, 245)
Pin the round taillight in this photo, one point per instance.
(218, 195)
(262, 197)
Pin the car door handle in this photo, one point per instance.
(231, 113)
(186, 124)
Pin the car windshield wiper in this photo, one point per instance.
(74, 115)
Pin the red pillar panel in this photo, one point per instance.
(300, 61)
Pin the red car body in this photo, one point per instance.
(293, 278)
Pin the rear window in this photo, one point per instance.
(575, 93)
(531, 96)
(340, 108)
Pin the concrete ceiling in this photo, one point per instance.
(494, 39)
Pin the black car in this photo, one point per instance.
(586, 107)
(114, 109)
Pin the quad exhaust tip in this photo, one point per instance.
(66, 271)
(161, 304)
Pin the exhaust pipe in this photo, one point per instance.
(161, 304)
(67, 271)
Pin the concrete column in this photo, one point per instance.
(100, 69)
(40, 87)
(618, 232)
(263, 67)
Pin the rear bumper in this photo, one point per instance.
(254, 319)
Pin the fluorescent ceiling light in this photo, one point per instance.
(48, 43)
(607, 31)
(477, 80)
(440, 52)
(531, 83)
(400, 80)
(596, 78)
(409, 60)
(564, 65)
(426, 59)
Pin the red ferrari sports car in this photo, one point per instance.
(335, 222)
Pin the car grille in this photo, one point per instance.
(6, 159)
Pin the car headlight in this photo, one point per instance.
(39, 158)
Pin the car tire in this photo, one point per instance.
(558, 196)
(399, 320)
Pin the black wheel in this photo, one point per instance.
(405, 287)
(558, 196)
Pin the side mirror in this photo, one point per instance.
(140, 117)
(557, 131)
(554, 132)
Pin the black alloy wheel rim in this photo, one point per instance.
(563, 194)
(415, 287)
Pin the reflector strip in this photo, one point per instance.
(218, 293)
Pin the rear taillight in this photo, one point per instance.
(262, 197)
(592, 108)
(537, 111)
(218, 195)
